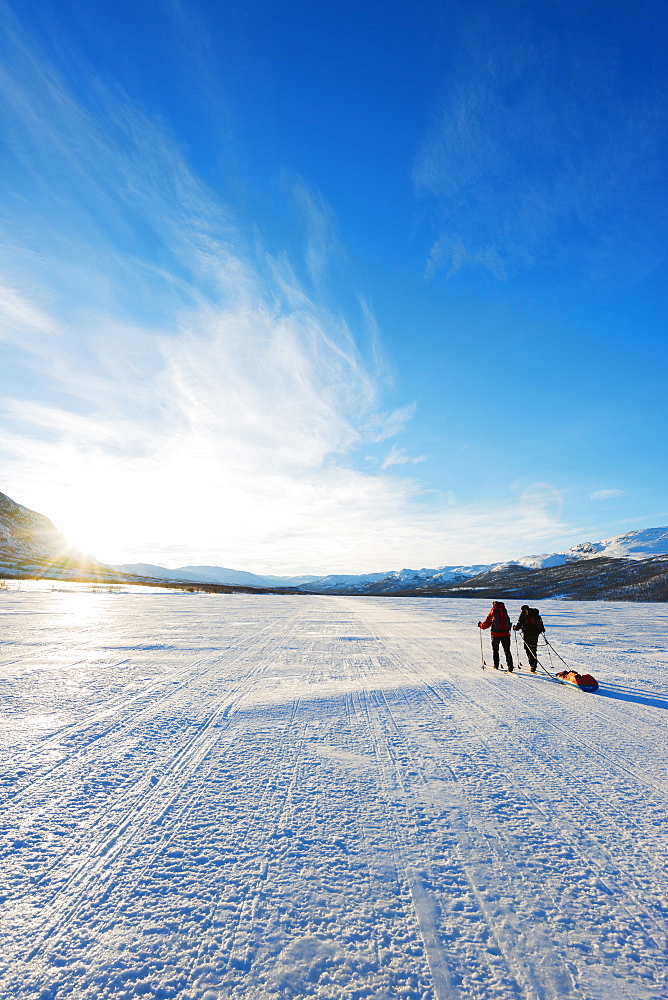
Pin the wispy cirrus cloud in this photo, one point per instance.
(606, 494)
(322, 243)
(18, 316)
(539, 152)
(397, 456)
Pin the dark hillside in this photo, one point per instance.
(585, 580)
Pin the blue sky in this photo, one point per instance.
(308, 287)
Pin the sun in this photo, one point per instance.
(92, 530)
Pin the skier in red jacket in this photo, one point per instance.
(499, 620)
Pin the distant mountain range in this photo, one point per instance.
(214, 574)
(632, 566)
(624, 566)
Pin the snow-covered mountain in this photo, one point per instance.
(396, 580)
(25, 534)
(632, 545)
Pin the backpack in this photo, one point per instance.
(532, 621)
(500, 619)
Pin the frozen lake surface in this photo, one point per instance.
(208, 797)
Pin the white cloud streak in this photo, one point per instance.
(18, 316)
(535, 155)
(605, 494)
(396, 456)
(322, 243)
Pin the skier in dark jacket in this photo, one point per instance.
(499, 622)
(530, 624)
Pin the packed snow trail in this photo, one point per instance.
(213, 796)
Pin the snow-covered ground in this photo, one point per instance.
(237, 796)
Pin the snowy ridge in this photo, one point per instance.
(632, 545)
(398, 580)
(25, 534)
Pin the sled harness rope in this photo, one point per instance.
(551, 647)
(542, 665)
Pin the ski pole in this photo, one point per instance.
(482, 655)
(517, 651)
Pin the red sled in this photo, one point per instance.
(583, 681)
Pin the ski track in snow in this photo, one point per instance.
(238, 796)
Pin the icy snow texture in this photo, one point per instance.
(208, 797)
